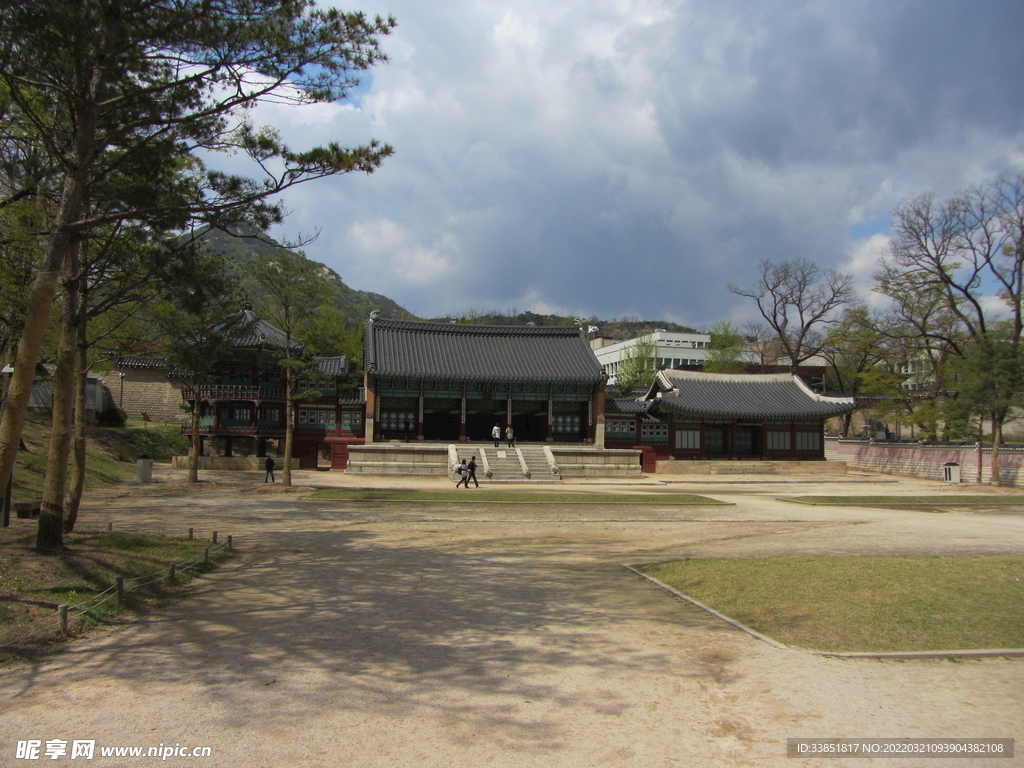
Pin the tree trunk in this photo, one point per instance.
(997, 439)
(50, 534)
(193, 447)
(289, 423)
(12, 423)
(77, 483)
(981, 453)
(44, 291)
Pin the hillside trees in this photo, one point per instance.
(139, 89)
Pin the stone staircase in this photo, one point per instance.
(504, 463)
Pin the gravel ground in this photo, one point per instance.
(387, 634)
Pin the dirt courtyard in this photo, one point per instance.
(450, 635)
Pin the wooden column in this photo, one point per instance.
(462, 418)
(598, 406)
(370, 417)
(549, 435)
(419, 418)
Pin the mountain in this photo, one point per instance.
(243, 245)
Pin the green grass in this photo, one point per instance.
(160, 443)
(950, 500)
(510, 496)
(851, 604)
(110, 453)
(32, 584)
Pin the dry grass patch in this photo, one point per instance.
(863, 603)
(33, 585)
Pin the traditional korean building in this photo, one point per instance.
(242, 407)
(453, 382)
(695, 415)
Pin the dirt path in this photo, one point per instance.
(481, 635)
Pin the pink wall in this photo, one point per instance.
(926, 461)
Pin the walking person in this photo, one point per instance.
(496, 434)
(269, 466)
(471, 470)
(510, 436)
(464, 474)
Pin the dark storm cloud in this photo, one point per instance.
(633, 157)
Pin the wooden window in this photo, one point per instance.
(654, 432)
(808, 441)
(688, 439)
(621, 426)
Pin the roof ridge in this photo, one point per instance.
(428, 326)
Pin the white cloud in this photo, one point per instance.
(632, 157)
(865, 258)
(394, 253)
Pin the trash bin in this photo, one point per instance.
(951, 472)
(144, 470)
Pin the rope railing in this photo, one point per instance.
(43, 624)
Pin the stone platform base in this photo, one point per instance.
(725, 467)
(432, 459)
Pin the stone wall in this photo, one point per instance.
(926, 460)
(397, 459)
(726, 467)
(148, 394)
(587, 461)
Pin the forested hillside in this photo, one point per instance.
(245, 246)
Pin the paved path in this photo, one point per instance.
(368, 634)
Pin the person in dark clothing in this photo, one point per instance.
(269, 466)
(471, 472)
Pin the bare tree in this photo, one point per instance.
(946, 261)
(796, 298)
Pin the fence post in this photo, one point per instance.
(229, 542)
(171, 577)
(110, 526)
(62, 610)
(206, 555)
(214, 537)
(120, 592)
(190, 534)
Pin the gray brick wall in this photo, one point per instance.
(148, 393)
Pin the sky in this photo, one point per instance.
(618, 158)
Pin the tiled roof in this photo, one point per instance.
(133, 361)
(479, 352)
(257, 334)
(332, 366)
(629, 406)
(625, 405)
(722, 395)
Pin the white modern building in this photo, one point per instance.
(671, 351)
